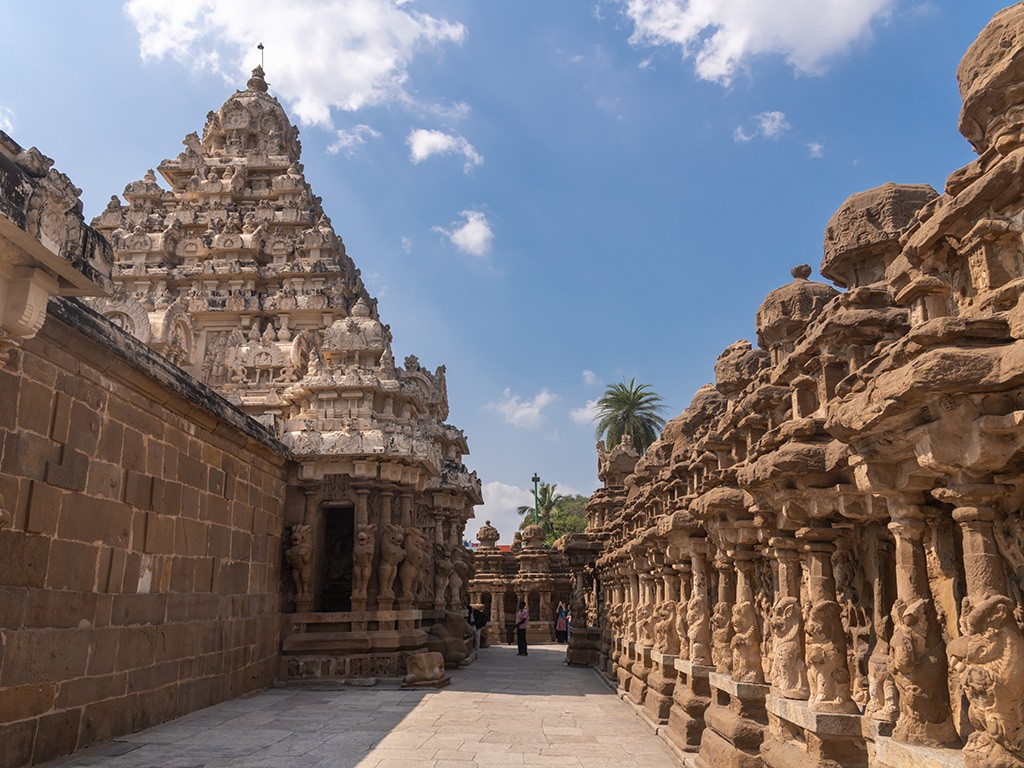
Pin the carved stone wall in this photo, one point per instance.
(839, 511)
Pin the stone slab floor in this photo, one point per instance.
(502, 710)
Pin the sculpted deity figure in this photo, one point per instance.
(665, 638)
(644, 620)
(788, 670)
(721, 634)
(300, 558)
(746, 644)
(443, 571)
(412, 572)
(912, 658)
(826, 668)
(682, 631)
(457, 583)
(989, 662)
(698, 629)
(362, 559)
(391, 554)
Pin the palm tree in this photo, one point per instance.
(630, 409)
(547, 502)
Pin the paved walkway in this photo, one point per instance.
(500, 711)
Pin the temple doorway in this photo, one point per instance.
(339, 535)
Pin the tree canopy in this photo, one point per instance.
(558, 514)
(630, 409)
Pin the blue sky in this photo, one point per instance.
(545, 196)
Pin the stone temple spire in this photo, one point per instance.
(256, 82)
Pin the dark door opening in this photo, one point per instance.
(339, 533)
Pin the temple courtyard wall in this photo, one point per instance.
(141, 560)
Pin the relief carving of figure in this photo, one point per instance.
(746, 645)
(721, 635)
(682, 631)
(391, 554)
(443, 572)
(300, 558)
(363, 551)
(788, 672)
(665, 638)
(989, 662)
(699, 629)
(918, 668)
(827, 673)
(412, 571)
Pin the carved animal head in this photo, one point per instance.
(301, 534)
(365, 534)
(394, 535)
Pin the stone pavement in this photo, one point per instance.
(500, 711)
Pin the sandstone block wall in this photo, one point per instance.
(140, 560)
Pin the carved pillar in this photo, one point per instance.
(386, 498)
(721, 619)
(882, 704)
(362, 507)
(989, 658)
(406, 510)
(788, 668)
(917, 660)
(746, 638)
(698, 614)
(824, 635)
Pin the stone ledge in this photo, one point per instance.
(897, 754)
(746, 691)
(664, 660)
(687, 667)
(344, 617)
(799, 712)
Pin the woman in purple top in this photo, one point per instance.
(521, 621)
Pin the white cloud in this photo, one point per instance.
(320, 54)
(6, 120)
(816, 149)
(350, 142)
(772, 124)
(407, 244)
(423, 144)
(769, 125)
(589, 377)
(500, 503)
(525, 414)
(473, 236)
(585, 414)
(722, 36)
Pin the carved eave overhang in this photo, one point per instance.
(721, 502)
(954, 216)
(43, 235)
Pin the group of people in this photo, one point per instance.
(478, 619)
(563, 625)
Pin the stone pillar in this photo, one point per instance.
(362, 507)
(989, 658)
(698, 614)
(386, 498)
(824, 635)
(788, 668)
(917, 659)
(405, 502)
(746, 639)
(721, 619)
(882, 694)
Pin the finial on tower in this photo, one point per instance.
(256, 82)
(260, 48)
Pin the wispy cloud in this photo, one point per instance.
(768, 125)
(525, 413)
(407, 244)
(723, 36)
(585, 414)
(816, 149)
(6, 120)
(350, 142)
(473, 235)
(320, 54)
(589, 377)
(424, 144)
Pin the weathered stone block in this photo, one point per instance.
(23, 559)
(71, 565)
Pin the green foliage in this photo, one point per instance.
(558, 514)
(630, 409)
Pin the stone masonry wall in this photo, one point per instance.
(140, 566)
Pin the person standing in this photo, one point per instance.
(522, 619)
(561, 624)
